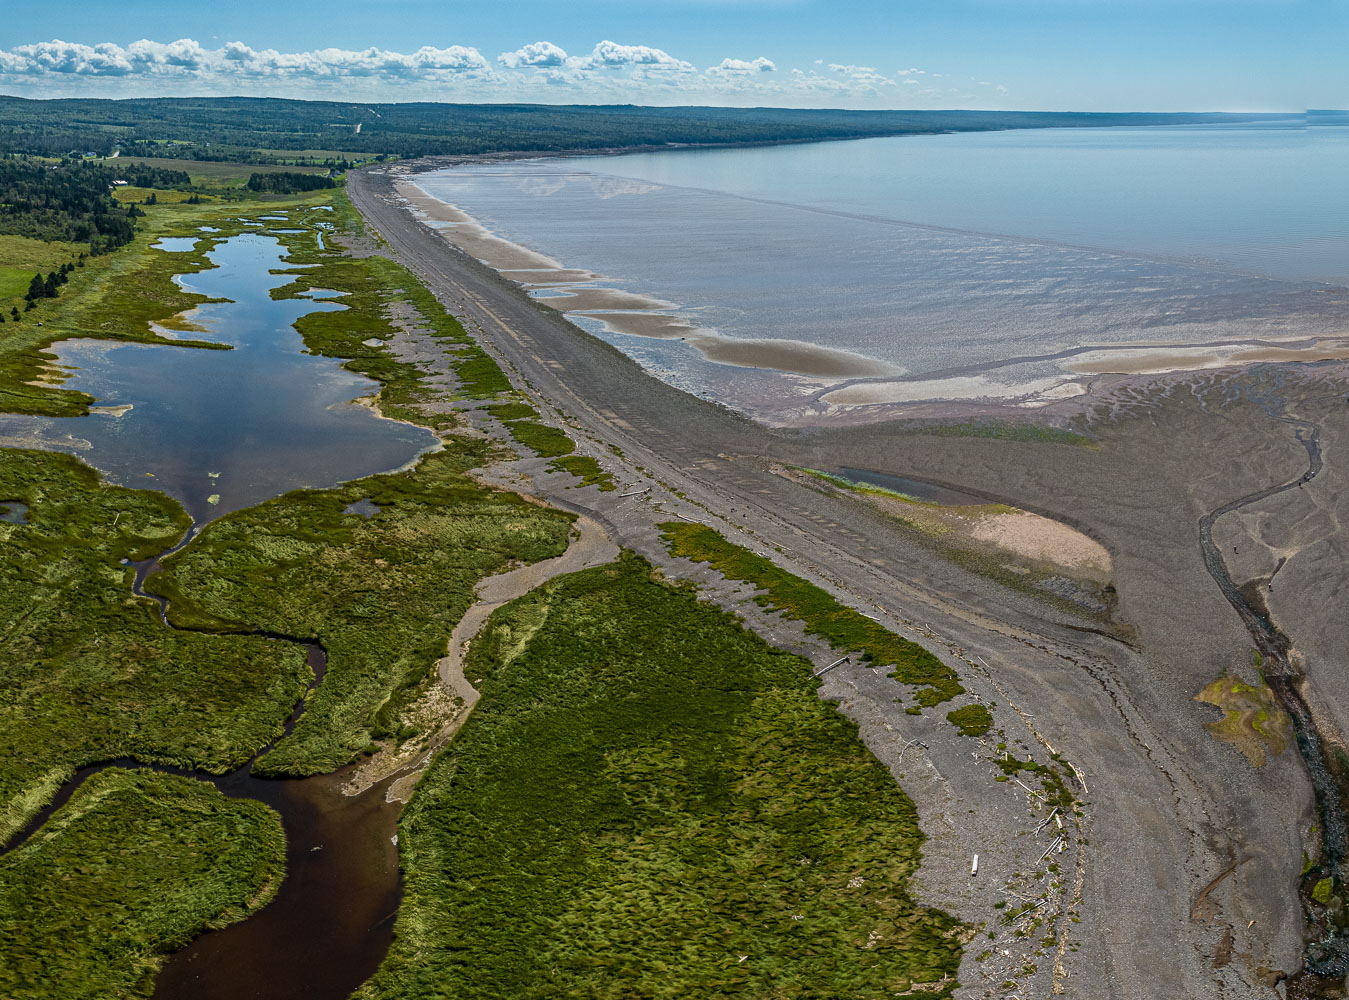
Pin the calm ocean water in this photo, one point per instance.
(981, 263)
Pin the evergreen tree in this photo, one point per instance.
(36, 288)
(50, 287)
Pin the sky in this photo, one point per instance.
(1087, 55)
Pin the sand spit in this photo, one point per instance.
(547, 277)
(972, 387)
(654, 326)
(1164, 360)
(599, 299)
(1043, 540)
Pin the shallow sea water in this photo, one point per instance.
(978, 264)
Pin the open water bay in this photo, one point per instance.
(1008, 265)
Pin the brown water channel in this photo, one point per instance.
(1326, 960)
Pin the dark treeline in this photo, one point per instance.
(256, 129)
(72, 200)
(285, 182)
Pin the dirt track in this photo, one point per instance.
(1170, 808)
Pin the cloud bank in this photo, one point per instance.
(540, 70)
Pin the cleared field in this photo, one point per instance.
(208, 173)
(163, 197)
(14, 281)
(31, 255)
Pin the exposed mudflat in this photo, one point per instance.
(1182, 874)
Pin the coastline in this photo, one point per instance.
(1116, 701)
(799, 384)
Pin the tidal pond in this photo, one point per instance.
(223, 430)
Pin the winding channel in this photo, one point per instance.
(1327, 950)
(331, 922)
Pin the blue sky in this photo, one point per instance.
(1029, 54)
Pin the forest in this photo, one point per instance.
(71, 200)
(265, 130)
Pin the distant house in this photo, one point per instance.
(118, 184)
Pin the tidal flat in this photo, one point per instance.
(894, 273)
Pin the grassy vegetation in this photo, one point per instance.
(513, 411)
(840, 626)
(586, 469)
(545, 441)
(382, 594)
(211, 174)
(374, 287)
(85, 920)
(140, 194)
(972, 720)
(650, 801)
(88, 672)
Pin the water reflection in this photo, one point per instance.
(222, 430)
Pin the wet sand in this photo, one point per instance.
(999, 387)
(613, 307)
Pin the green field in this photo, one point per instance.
(135, 865)
(845, 629)
(209, 173)
(650, 801)
(14, 281)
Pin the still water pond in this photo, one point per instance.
(223, 430)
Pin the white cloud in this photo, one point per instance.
(534, 54)
(611, 55)
(611, 73)
(851, 70)
(186, 56)
(741, 67)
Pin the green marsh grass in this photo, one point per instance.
(382, 594)
(586, 469)
(845, 629)
(135, 865)
(88, 671)
(650, 801)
